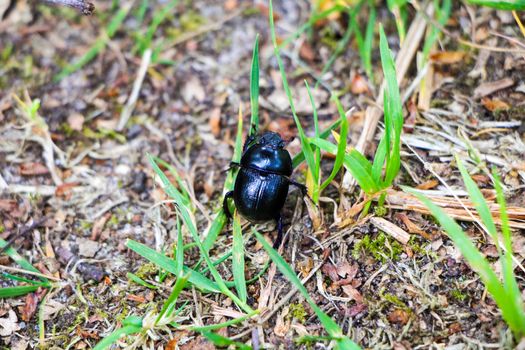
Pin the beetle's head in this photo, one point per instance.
(272, 140)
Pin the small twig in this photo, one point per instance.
(130, 105)
(22, 232)
(86, 8)
(27, 272)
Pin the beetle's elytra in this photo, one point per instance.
(261, 186)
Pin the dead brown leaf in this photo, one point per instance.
(76, 121)
(33, 168)
(199, 343)
(359, 85)
(495, 104)
(399, 316)
(447, 57)
(352, 293)
(427, 185)
(215, 121)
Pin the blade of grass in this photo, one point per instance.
(314, 175)
(11, 292)
(131, 325)
(162, 261)
(474, 258)
(254, 89)
(329, 324)
(313, 19)
(393, 110)
(355, 163)
(299, 157)
(238, 259)
(443, 14)
(190, 225)
(225, 324)
(156, 21)
(341, 147)
(306, 148)
(224, 342)
(179, 252)
(99, 45)
(170, 303)
(140, 281)
(479, 203)
(343, 43)
(19, 259)
(365, 44)
(515, 5)
(509, 279)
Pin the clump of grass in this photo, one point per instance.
(373, 177)
(505, 292)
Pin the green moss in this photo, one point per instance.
(378, 248)
(146, 270)
(298, 312)
(2, 228)
(380, 210)
(458, 295)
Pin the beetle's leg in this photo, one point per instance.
(279, 238)
(225, 207)
(249, 140)
(232, 165)
(302, 187)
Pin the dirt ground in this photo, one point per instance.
(78, 186)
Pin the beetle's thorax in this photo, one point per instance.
(268, 158)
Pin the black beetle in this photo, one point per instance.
(261, 186)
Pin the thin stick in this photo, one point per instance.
(132, 101)
(16, 269)
(86, 8)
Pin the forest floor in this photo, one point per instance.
(75, 185)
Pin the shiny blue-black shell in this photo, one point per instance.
(261, 186)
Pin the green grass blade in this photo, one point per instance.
(299, 158)
(368, 43)
(393, 111)
(479, 203)
(131, 325)
(509, 279)
(313, 19)
(139, 281)
(379, 160)
(214, 230)
(157, 20)
(26, 280)
(224, 342)
(474, 258)
(169, 304)
(306, 148)
(254, 88)
(238, 259)
(225, 324)
(341, 147)
(329, 324)
(190, 225)
(179, 252)
(19, 259)
(162, 261)
(514, 5)
(11, 292)
(443, 14)
(343, 43)
(355, 162)
(315, 171)
(180, 182)
(99, 45)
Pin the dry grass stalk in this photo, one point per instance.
(391, 229)
(405, 201)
